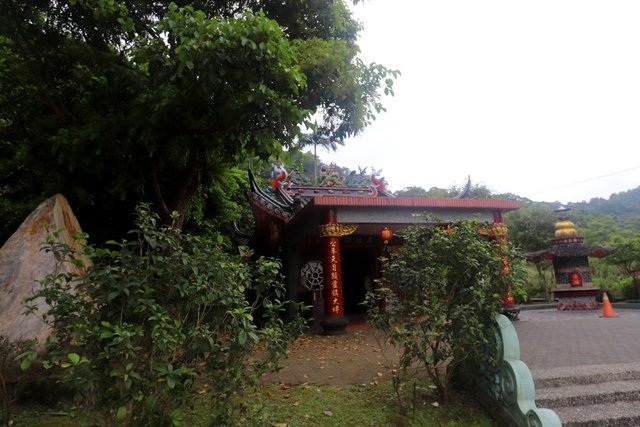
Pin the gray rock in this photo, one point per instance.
(23, 264)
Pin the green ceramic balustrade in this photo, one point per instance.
(506, 389)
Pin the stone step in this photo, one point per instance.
(591, 396)
(588, 394)
(591, 374)
(616, 414)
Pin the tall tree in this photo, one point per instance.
(413, 191)
(531, 227)
(317, 138)
(627, 257)
(111, 102)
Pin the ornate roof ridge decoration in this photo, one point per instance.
(283, 199)
(310, 191)
(332, 182)
(284, 196)
(466, 190)
(337, 230)
(255, 188)
(286, 185)
(260, 199)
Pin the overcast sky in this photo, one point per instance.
(537, 98)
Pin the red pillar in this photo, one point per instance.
(334, 321)
(497, 217)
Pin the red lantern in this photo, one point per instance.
(386, 234)
(508, 299)
(575, 279)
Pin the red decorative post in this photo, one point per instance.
(497, 232)
(334, 321)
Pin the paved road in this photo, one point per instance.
(552, 339)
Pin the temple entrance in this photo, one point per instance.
(342, 223)
(358, 267)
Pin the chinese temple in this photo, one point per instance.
(574, 288)
(331, 236)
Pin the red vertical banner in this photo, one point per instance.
(333, 303)
(334, 321)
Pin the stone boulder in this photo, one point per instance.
(23, 263)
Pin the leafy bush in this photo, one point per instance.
(150, 315)
(609, 277)
(630, 291)
(627, 258)
(439, 297)
(539, 281)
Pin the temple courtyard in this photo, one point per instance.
(586, 367)
(549, 339)
(568, 339)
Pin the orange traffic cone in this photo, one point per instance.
(607, 308)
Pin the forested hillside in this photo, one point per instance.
(600, 220)
(603, 219)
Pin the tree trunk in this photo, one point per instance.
(177, 198)
(315, 164)
(4, 398)
(443, 390)
(635, 275)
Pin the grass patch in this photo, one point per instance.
(311, 405)
(357, 406)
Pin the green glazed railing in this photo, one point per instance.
(506, 389)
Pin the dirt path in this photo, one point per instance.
(354, 358)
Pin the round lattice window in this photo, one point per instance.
(312, 275)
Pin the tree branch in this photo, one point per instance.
(156, 191)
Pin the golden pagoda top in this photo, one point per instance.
(564, 229)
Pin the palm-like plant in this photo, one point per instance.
(321, 137)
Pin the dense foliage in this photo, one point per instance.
(476, 191)
(113, 102)
(531, 227)
(153, 315)
(627, 255)
(621, 211)
(439, 297)
(627, 259)
(599, 221)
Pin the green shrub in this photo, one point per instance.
(539, 280)
(439, 297)
(630, 290)
(153, 314)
